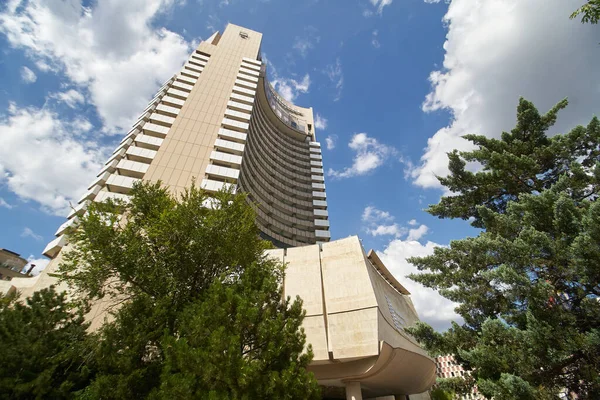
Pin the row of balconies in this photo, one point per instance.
(225, 160)
(251, 183)
(266, 159)
(132, 157)
(285, 143)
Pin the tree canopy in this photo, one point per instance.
(528, 285)
(194, 308)
(590, 12)
(41, 351)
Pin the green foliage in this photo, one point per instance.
(528, 285)
(42, 347)
(198, 308)
(590, 11)
(439, 394)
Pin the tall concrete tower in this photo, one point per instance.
(219, 121)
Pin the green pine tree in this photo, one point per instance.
(199, 310)
(528, 285)
(42, 347)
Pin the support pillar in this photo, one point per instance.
(353, 391)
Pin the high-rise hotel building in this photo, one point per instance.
(219, 121)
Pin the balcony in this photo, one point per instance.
(133, 169)
(232, 147)
(148, 142)
(168, 110)
(242, 98)
(232, 135)
(120, 183)
(173, 101)
(282, 110)
(226, 158)
(223, 172)
(140, 154)
(53, 248)
(214, 186)
(104, 195)
(155, 130)
(235, 125)
(62, 229)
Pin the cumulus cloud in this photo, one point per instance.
(28, 232)
(417, 233)
(372, 214)
(320, 122)
(370, 154)
(336, 76)
(431, 307)
(331, 141)
(27, 75)
(498, 50)
(413, 222)
(290, 88)
(71, 97)
(380, 223)
(110, 48)
(46, 159)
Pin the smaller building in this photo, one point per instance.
(11, 265)
(447, 367)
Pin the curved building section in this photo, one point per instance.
(282, 170)
(356, 315)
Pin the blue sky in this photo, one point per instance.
(395, 83)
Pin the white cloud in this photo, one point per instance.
(71, 97)
(330, 141)
(27, 232)
(27, 75)
(38, 263)
(372, 214)
(290, 88)
(304, 44)
(4, 203)
(110, 48)
(45, 159)
(498, 50)
(320, 122)
(387, 230)
(379, 4)
(374, 40)
(380, 223)
(417, 233)
(370, 154)
(431, 307)
(336, 76)
(412, 222)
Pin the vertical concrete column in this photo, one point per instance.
(353, 391)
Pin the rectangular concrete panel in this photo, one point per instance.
(353, 334)
(347, 283)
(303, 277)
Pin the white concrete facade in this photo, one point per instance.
(356, 312)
